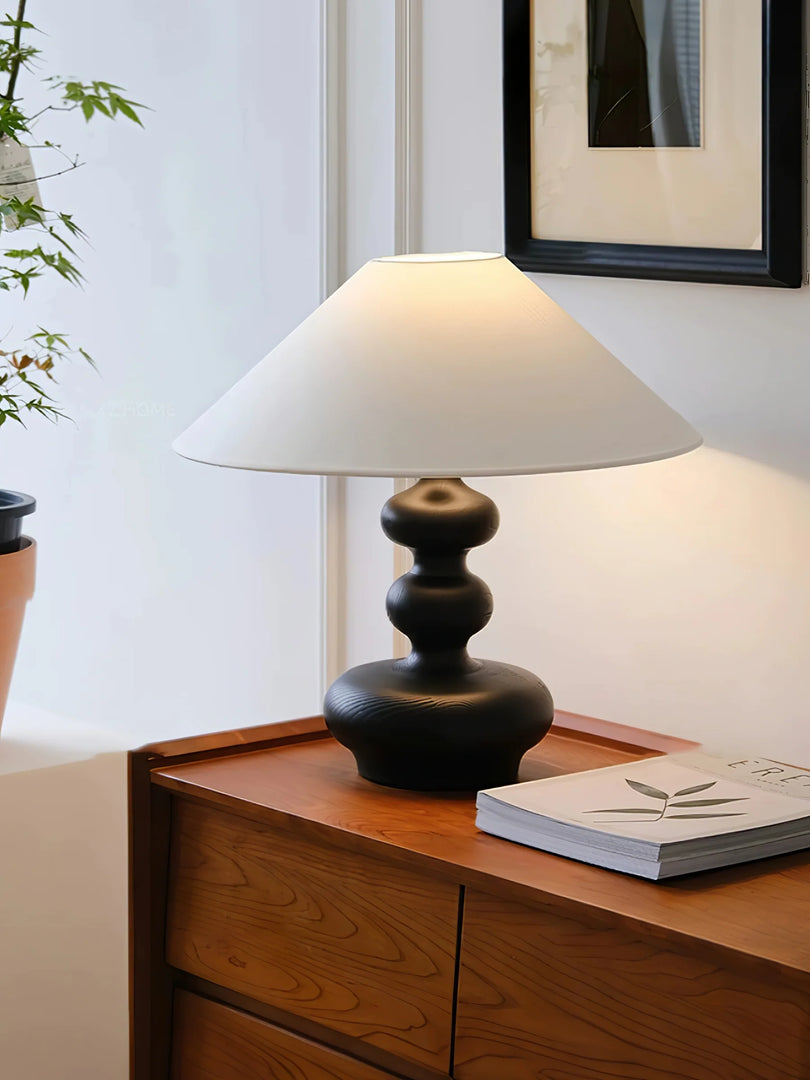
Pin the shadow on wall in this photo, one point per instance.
(732, 360)
(672, 596)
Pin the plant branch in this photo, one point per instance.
(15, 63)
(47, 176)
(72, 161)
(50, 108)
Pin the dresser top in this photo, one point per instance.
(297, 777)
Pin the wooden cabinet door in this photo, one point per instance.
(546, 997)
(356, 944)
(213, 1042)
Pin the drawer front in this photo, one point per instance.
(213, 1042)
(541, 995)
(355, 944)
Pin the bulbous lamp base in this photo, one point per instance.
(439, 720)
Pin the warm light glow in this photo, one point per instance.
(440, 257)
(444, 365)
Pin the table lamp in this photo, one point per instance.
(438, 367)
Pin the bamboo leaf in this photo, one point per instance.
(708, 802)
(698, 817)
(123, 106)
(694, 790)
(645, 789)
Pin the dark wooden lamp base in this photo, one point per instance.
(439, 720)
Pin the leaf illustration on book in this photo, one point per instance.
(645, 789)
(708, 802)
(664, 812)
(694, 790)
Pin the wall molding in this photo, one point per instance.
(408, 189)
(408, 125)
(332, 571)
(332, 139)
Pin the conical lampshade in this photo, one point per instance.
(437, 366)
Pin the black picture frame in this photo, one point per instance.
(780, 261)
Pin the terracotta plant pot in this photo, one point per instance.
(17, 571)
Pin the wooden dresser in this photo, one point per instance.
(291, 921)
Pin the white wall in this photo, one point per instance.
(174, 598)
(673, 596)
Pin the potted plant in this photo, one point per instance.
(28, 366)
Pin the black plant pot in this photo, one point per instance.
(18, 555)
(14, 506)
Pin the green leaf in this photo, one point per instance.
(98, 96)
(25, 210)
(49, 337)
(120, 104)
(698, 817)
(708, 802)
(645, 789)
(694, 790)
(624, 810)
(70, 225)
(12, 121)
(60, 239)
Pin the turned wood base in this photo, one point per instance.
(439, 720)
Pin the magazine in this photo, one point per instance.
(659, 817)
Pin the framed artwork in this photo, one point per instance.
(655, 138)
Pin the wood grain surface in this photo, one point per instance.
(213, 1042)
(150, 979)
(314, 788)
(359, 946)
(303, 897)
(383, 1060)
(238, 739)
(544, 996)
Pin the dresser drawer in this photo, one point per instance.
(214, 1042)
(358, 945)
(543, 995)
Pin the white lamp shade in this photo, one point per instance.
(437, 366)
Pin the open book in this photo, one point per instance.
(659, 817)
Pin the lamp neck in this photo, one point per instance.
(438, 603)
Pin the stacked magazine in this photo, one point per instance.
(659, 817)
